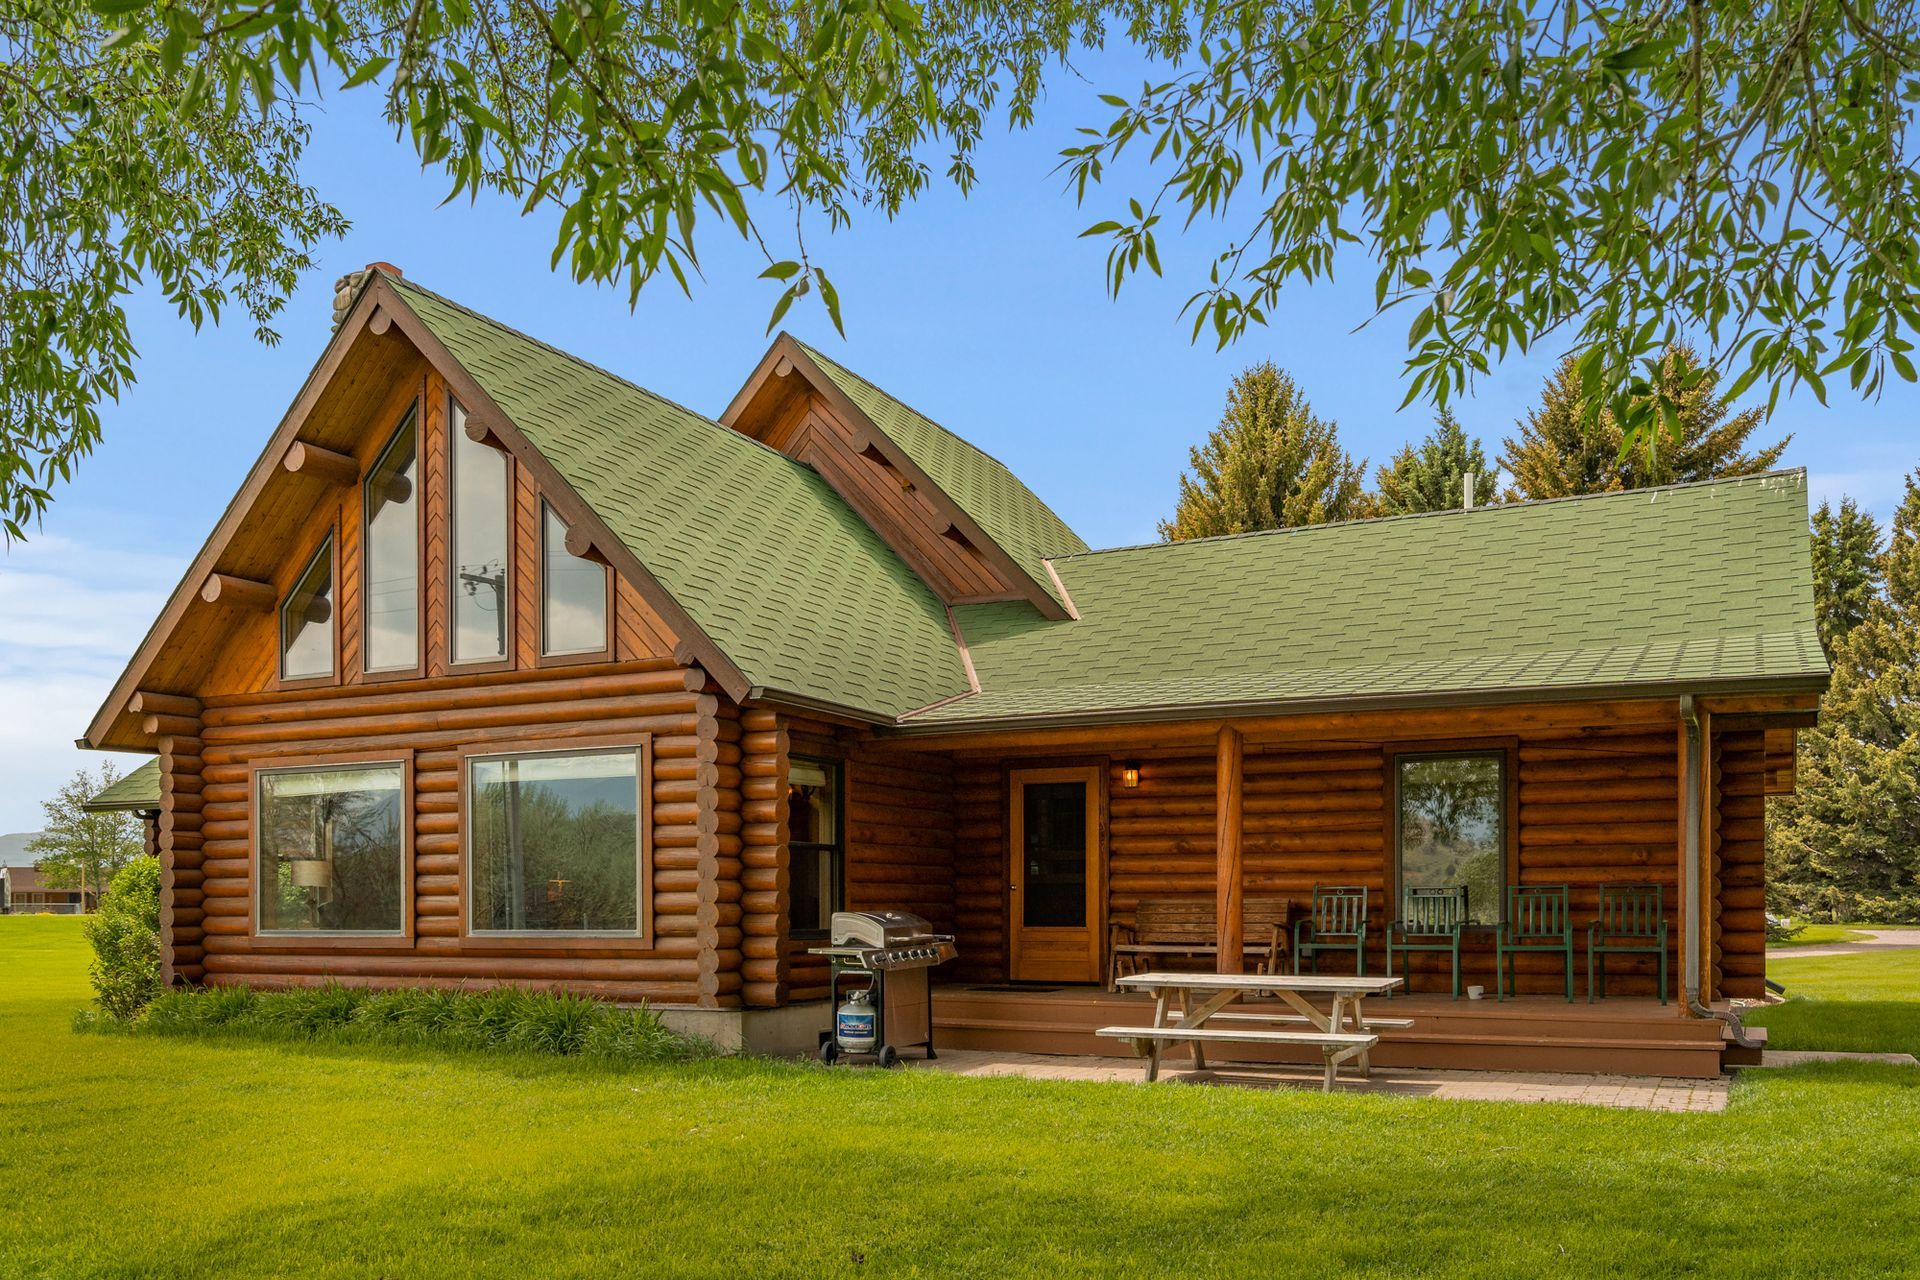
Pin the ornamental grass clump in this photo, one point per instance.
(504, 1019)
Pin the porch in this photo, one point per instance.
(1530, 1033)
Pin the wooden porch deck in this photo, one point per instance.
(1621, 1036)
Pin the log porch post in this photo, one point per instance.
(1229, 891)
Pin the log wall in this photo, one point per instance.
(1740, 867)
(1591, 807)
(692, 954)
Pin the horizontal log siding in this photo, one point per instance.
(1740, 917)
(1595, 807)
(980, 873)
(899, 840)
(177, 831)
(765, 873)
(900, 835)
(694, 954)
(1601, 809)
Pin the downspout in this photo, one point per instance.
(1692, 962)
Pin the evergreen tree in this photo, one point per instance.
(1431, 476)
(81, 850)
(1846, 569)
(1556, 454)
(1270, 464)
(1847, 843)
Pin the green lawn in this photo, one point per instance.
(1867, 1002)
(128, 1156)
(1817, 935)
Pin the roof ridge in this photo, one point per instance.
(588, 365)
(1522, 505)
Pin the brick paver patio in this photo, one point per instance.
(1647, 1093)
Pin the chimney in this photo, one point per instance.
(1467, 490)
(347, 288)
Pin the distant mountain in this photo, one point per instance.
(13, 849)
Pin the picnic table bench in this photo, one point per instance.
(1187, 927)
(1342, 1033)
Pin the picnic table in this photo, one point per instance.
(1342, 1032)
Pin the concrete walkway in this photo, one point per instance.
(1646, 1093)
(1879, 940)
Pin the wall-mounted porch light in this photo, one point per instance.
(1130, 774)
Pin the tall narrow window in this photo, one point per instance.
(392, 579)
(332, 850)
(573, 594)
(555, 842)
(480, 514)
(306, 621)
(1450, 822)
(814, 848)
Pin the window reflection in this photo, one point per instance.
(306, 621)
(480, 513)
(392, 579)
(573, 602)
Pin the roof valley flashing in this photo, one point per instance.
(1703, 587)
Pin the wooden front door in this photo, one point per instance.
(1058, 880)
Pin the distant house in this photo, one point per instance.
(502, 669)
(24, 892)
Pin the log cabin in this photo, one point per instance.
(500, 668)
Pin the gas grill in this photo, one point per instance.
(892, 951)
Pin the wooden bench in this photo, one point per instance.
(1335, 1047)
(1185, 927)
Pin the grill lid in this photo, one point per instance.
(879, 928)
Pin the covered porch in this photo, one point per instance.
(1039, 849)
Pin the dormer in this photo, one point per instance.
(965, 523)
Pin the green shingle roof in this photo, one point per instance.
(1010, 513)
(763, 555)
(138, 790)
(1706, 585)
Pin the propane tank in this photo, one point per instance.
(856, 1024)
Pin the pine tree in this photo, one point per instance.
(81, 850)
(1270, 464)
(1556, 454)
(1846, 569)
(1431, 476)
(1847, 843)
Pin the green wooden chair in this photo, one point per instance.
(1433, 920)
(1632, 922)
(1337, 922)
(1539, 920)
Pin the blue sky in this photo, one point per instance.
(987, 313)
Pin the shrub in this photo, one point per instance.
(505, 1018)
(125, 936)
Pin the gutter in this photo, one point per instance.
(911, 723)
(1692, 959)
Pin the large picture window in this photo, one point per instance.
(1451, 826)
(306, 621)
(815, 849)
(557, 842)
(392, 577)
(331, 845)
(480, 514)
(573, 594)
